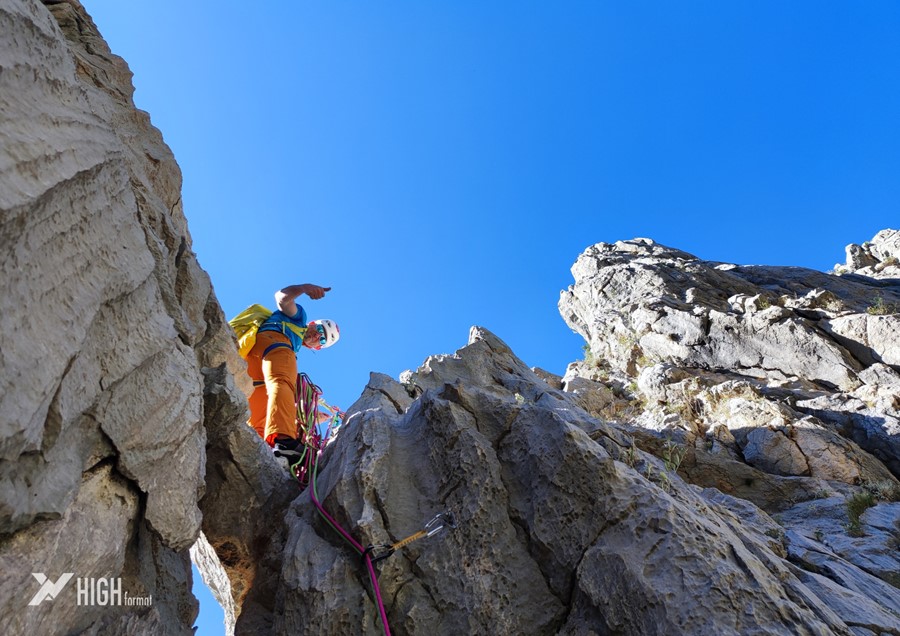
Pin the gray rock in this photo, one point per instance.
(882, 376)
(106, 322)
(593, 397)
(632, 306)
(655, 381)
(875, 430)
(573, 511)
(395, 394)
(821, 540)
(555, 534)
(772, 451)
(247, 495)
(870, 338)
(555, 381)
(163, 391)
(863, 614)
(216, 579)
(96, 537)
(878, 258)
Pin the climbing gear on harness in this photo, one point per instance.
(382, 551)
(314, 435)
(247, 323)
(329, 333)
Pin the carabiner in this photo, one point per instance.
(377, 552)
(446, 518)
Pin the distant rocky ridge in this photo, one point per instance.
(723, 461)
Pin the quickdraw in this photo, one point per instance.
(382, 551)
(316, 435)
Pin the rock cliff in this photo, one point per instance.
(724, 460)
(107, 322)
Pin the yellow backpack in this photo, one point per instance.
(248, 322)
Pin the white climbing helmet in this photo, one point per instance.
(328, 332)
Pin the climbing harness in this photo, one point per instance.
(315, 436)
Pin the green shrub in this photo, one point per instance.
(881, 308)
(673, 455)
(882, 490)
(588, 354)
(856, 505)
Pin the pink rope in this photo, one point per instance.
(331, 520)
(384, 622)
(357, 546)
(308, 406)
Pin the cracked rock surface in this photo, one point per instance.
(565, 527)
(107, 322)
(792, 370)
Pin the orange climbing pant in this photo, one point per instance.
(272, 406)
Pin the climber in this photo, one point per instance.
(272, 365)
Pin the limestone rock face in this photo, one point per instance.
(107, 321)
(565, 525)
(776, 385)
(723, 461)
(878, 258)
(809, 356)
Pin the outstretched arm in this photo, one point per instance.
(285, 298)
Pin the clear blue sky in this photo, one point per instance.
(443, 164)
